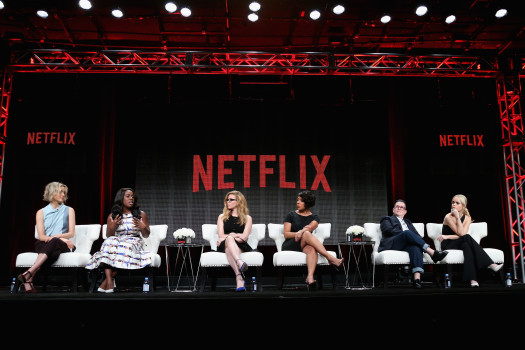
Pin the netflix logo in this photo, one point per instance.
(41, 137)
(461, 140)
(267, 165)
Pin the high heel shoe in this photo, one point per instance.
(311, 284)
(27, 281)
(338, 266)
(243, 288)
(243, 267)
(497, 268)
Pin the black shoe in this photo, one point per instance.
(417, 284)
(438, 256)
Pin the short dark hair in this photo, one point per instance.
(400, 200)
(308, 198)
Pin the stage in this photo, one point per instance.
(336, 316)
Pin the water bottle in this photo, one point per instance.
(13, 285)
(145, 286)
(508, 281)
(254, 284)
(447, 281)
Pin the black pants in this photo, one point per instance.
(52, 249)
(475, 257)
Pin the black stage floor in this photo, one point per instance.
(398, 313)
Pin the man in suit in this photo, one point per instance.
(398, 233)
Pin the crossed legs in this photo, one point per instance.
(311, 246)
(233, 254)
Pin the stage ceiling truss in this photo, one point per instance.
(308, 63)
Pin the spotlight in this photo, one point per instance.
(42, 13)
(253, 17)
(170, 7)
(501, 13)
(315, 14)
(1, 5)
(421, 10)
(117, 13)
(338, 9)
(255, 6)
(385, 19)
(450, 19)
(85, 4)
(185, 11)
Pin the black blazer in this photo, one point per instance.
(390, 227)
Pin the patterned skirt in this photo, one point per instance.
(121, 252)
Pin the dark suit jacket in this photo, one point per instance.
(390, 227)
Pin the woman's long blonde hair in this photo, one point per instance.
(242, 207)
(463, 201)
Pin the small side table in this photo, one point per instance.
(356, 250)
(186, 265)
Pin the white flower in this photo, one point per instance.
(184, 232)
(355, 229)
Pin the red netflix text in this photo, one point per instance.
(65, 138)
(267, 164)
(461, 140)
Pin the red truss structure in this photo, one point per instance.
(310, 63)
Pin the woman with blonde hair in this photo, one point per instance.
(233, 227)
(454, 235)
(55, 224)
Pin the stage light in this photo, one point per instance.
(185, 11)
(338, 9)
(85, 4)
(255, 6)
(385, 19)
(450, 19)
(421, 10)
(42, 13)
(117, 13)
(501, 13)
(253, 17)
(1, 5)
(170, 7)
(315, 14)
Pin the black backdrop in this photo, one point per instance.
(382, 136)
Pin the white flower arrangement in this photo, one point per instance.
(183, 233)
(355, 229)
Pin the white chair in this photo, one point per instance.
(286, 259)
(387, 258)
(477, 230)
(75, 261)
(151, 245)
(217, 260)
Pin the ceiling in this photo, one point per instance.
(283, 26)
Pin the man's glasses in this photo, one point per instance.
(399, 207)
(231, 200)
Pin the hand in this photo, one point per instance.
(139, 224)
(454, 213)
(114, 222)
(441, 238)
(70, 244)
(298, 236)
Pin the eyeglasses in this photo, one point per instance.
(399, 207)
(231, 200)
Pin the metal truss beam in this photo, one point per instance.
(198, 62)
(5, 96)
(513, 137)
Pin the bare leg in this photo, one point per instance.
(233, 254)
(309, 239)
(108, 282)
(311, 263)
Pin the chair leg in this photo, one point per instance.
(280, 277)
(259, 278)
(204, 277)
(74, 282)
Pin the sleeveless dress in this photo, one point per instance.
(298, 222)
(232, 226)
(124, 250)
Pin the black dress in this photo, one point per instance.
(298, 222)
(475, 258)
(232, 226)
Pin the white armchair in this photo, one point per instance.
(477, 230)
(151, 245)
(286, 259)
(386, 258)
(218, 260)
(75, 261)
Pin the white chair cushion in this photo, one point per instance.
(84, 237)
(218, 259)
(294, 258)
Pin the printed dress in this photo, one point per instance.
(124, 250)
